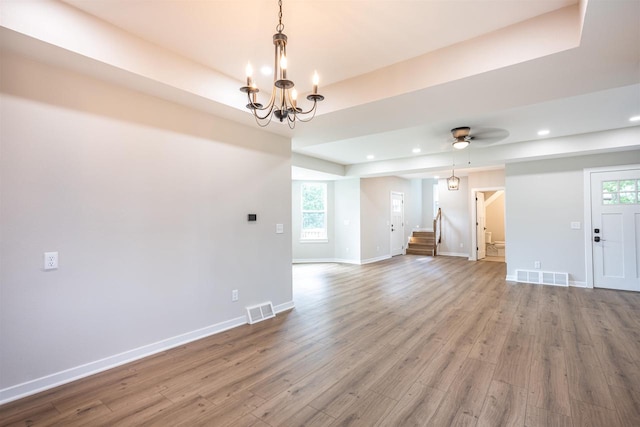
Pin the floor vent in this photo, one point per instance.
(260, 312)
(542, 277)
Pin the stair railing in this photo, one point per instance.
(437, 231)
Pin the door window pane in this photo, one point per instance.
(627, 198)
(625, 192)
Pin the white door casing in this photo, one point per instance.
(481, 225)
(397, 223)
(615, 229)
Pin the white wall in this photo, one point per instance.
(347, 220)
(427, 203)
(146, 203)
(309, 251)
(455, 218)
(543, 198)
(487, 179)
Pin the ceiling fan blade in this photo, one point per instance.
(488, 136)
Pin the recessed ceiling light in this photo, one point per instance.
(266, 70)
(416, 150)
(371, 157)
(436, 177)
(634, 119)
(543, 132)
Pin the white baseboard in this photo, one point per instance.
(325, 260)
(376, 259)
(347, 261)
(571, 283)
(577, 284)
(28, 388)
(458, 254)
(284, 307)
(341, 260)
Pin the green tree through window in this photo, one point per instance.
(314, 211)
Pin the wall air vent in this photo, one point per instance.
(260, 312)
(542, 277)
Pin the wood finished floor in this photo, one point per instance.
(409, 341)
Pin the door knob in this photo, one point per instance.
(596, 239)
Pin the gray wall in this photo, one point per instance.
(146, 203)
(543, 198)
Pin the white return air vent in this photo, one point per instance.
(260, 312)
(542, 277)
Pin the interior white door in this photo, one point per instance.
(615, 234)
(397, 223)
(481, 225)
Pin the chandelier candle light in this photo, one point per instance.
(283, 102)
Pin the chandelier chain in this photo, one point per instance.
(280, 26)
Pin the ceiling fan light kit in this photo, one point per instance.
(461, 137)
(283, 103)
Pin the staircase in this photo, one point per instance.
(426, 242)
(422, 243)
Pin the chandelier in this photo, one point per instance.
(283, 102)
(453, 182)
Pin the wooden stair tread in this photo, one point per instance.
(422, 243)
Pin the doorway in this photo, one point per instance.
(613, 232)
(488, 219)
(397, 223)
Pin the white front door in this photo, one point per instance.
(481, 225)
(615, 234)
(397, 223)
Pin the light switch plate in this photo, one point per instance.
(279, 228)
(575, 225)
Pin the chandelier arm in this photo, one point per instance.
(310, 110)
(257, 107)
(291, 122)
(260, 121)
(299, 115)
(308, 119)
(268, 109)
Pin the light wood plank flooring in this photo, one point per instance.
(405, 342)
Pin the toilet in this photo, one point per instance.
(493, 248)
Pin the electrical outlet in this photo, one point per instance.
(234, 295)
(536, 264)
(50, 260)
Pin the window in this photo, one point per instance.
(314, 211)
(623, 192)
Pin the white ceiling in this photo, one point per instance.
(397, 75)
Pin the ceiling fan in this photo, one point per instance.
(462, 136)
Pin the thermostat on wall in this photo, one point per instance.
(252, 217)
